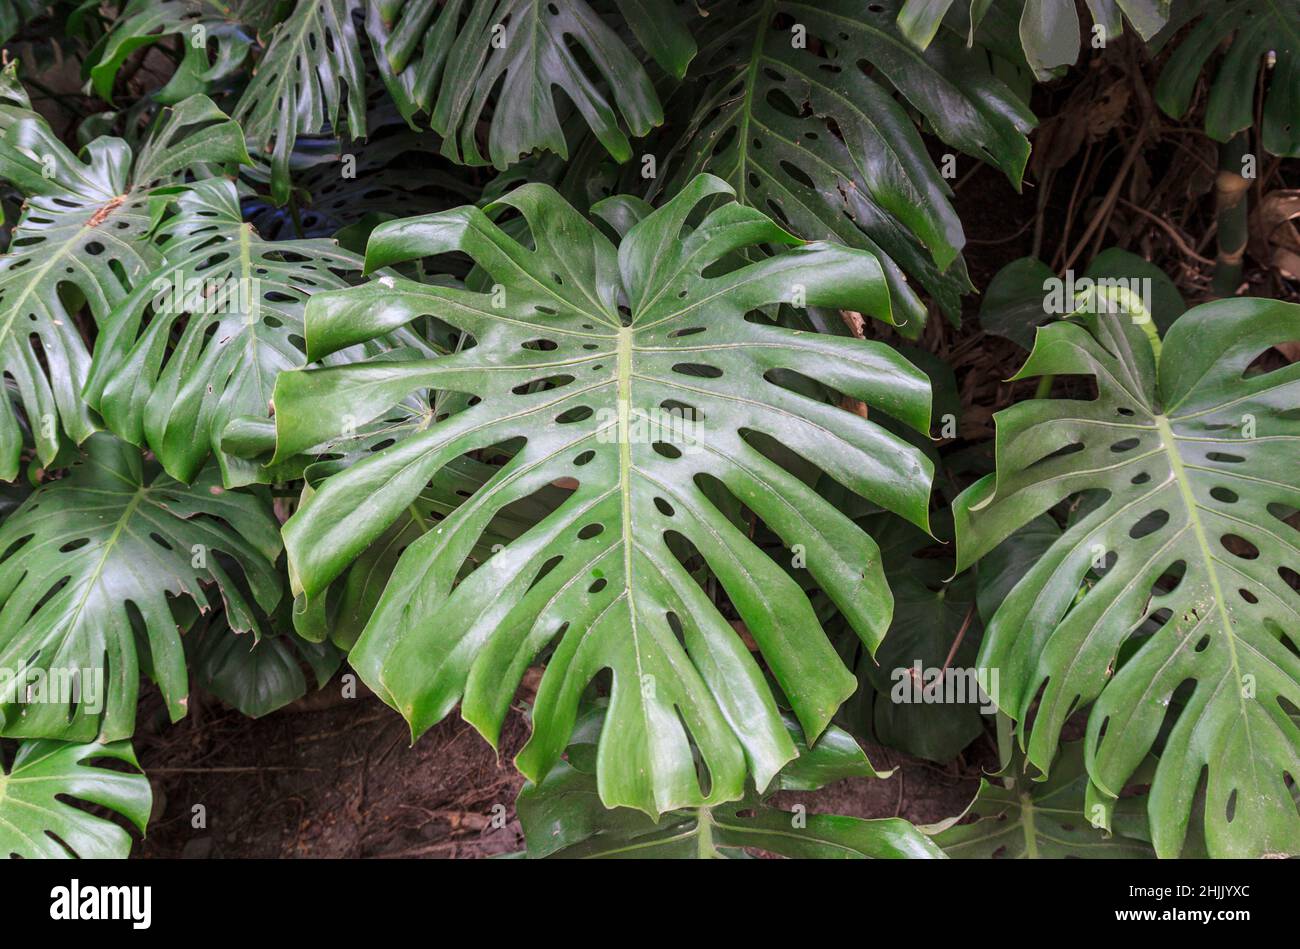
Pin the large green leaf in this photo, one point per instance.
(83, 235)
(1264, 37)
(1016, 817)
(797, 126)
(201, 340)
(312, 66)
(578, 352)
(1170, 602)
(38, 816)
(462, 55)
(1049, 29)
(564, 817)
(88, 565)
(352, 598)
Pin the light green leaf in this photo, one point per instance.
(89, 563)
(37, 819)
(83, 235)
(633, 371)
(1170, 603)
(201, 339)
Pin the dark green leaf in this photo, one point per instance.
(797, 127)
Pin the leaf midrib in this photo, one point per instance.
(120, 526)
(1168, 442)
(623, 373)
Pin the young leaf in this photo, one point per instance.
(88, 564)
(634, 372)
(37, 816)
(1169, 601)
(83, 231)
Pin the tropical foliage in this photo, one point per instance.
(583, 360)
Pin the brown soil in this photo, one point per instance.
(345, 781)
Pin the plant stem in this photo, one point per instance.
(1005, 747)
(1231, 206)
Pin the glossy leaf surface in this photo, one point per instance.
(201, 340)
(90, 563)
(801, 131)
(81, 236)
(633, 371)
(38, 818)
(1264, 37)
(1169, 603)
(501, 62)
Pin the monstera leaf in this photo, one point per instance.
(795, 125)
(88, 565)
(82, 236)
(229, 26)
(352, 598)
(564, 817)
(642, 373)
(312, 66)
(1265, 36)
(1015, 817)
(37, 816)
(224, 318)
(1170, 601)
(459, 56)
(1049, 29)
